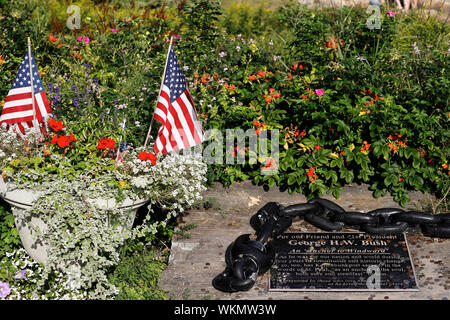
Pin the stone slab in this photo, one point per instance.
(197, 259)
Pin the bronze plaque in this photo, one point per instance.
(331, 261)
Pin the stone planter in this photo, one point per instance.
(23, 199)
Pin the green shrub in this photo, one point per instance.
(137, 276)
(9, 237)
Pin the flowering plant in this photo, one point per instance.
(67, 167)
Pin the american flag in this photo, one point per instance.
(175, 112)
(18, 108)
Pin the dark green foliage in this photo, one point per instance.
(9, 238)
(137, 276)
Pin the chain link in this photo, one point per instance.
(246, 257)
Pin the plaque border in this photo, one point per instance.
(416, 289)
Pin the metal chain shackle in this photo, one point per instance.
(248, 256)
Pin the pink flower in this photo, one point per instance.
(319, 92)
(390, 13)
(83, 39)
(114, 30)
(5, 290)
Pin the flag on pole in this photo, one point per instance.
(175, 111)
(18, 108)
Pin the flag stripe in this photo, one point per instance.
(184, 124)
(169, 138)
(18, 103)
(17, 114)
(40, 107)
(14, 109)
(193, 116)
(175, 122)
(13, 92)
(19, 96)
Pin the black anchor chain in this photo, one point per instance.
(252, 255)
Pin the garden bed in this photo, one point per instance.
(352, 104)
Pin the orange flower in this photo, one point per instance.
(251, 77)
(311, 175)
(395, 148)
(261, 73)
(2, 61)
(230, 86)
(52, 38)
(268, 100)
(366, 146)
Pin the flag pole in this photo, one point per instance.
(160, 89)
(123, 132)
(31, 80)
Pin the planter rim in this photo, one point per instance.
(24, 198)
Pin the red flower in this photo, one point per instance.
(261, 73)
(63, 141)
(311, 174)
(147, 156)
(55, 124)
(303, 133)
(317, 147)
(52, 38)
(251, 77)
(106, 143)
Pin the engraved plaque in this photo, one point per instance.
(331, 261)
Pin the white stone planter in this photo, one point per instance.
(24, 199)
